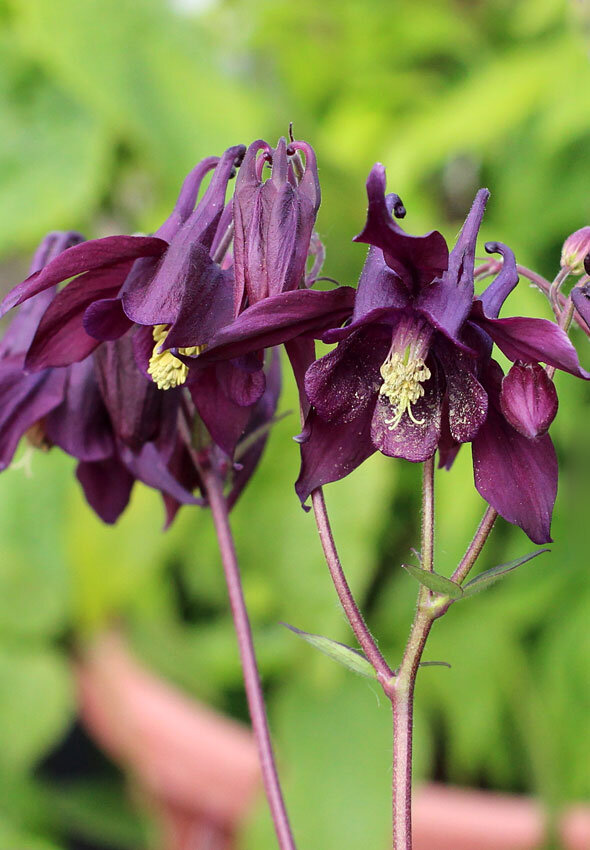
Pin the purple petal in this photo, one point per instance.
(282, 317)
(332, 451)
(529, 399)
(493, 297)
(378, 287)
(515, 475)
(447, 301)
(344, 382)
(61, 338)
(81, 425)
(152, 299)
(532, 341)
(206, 303)
(106, 320)
(580, 295)
(224, 419)
(242, 385)
(467, 401)
(414, 441)
(24, 401)
(448, 447)
(416, 259)
(384, 316)
(87, 256)
(107, 487)
(186, 199)
(134, 402)
(301, 354)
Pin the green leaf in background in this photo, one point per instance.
(13, 838)
(434, 581)
(36, 705)
(345, 655)
(487, 578)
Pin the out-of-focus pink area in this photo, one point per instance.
(462, 819)
(199, 772)
(197, 769)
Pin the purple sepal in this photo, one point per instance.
(280, 318)
(416, 259)
(107, 486)
(148, 466)
(331, 452)
(224, 418)
(580, 295)
(528, 399)
(61, 337)
(531, 340)
(84, 257)
(105, 320)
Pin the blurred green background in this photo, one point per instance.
(104, 106)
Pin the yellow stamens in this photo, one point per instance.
(168, 371)
(403, 376)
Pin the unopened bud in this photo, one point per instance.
(575, 250)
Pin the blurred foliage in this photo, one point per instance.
(104, 105)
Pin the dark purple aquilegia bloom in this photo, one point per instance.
(412, 369)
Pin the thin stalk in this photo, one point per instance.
(252, 683)
(554, 291)
(402, 697)
(474, 549)
(347, 600)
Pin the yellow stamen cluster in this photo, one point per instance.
(403, 377)
(168, 371)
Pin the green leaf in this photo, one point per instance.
(36, 707)
(434, 664)
(487, 578)
(434, 581)
(345, 655)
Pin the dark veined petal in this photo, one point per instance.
(344, 382)
(279, 318)
(448, 448)
(517, 476)
(466, 399)
(416, 259)
(531, 340)
(24, 400)
(332, 452)
(528, 399)
(413, 440)
(494, 295)
(81, 425)
(84, 257)
(107, 486)
(447, 301)
(61, 338)
(301, 354)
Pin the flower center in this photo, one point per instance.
(168, 371)
(403, 376)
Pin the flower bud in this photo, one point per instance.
(575, 250)
(528, 399)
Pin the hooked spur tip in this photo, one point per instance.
(399, 209)
(493, 248)
(587, 263)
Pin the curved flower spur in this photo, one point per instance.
(411, 372)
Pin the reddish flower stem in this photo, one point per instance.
(217, 502)
(474, 549)
(347, 600)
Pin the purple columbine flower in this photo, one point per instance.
(411, 372)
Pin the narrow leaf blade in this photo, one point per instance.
(345, 655)
(488, 577)
(434, 581)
